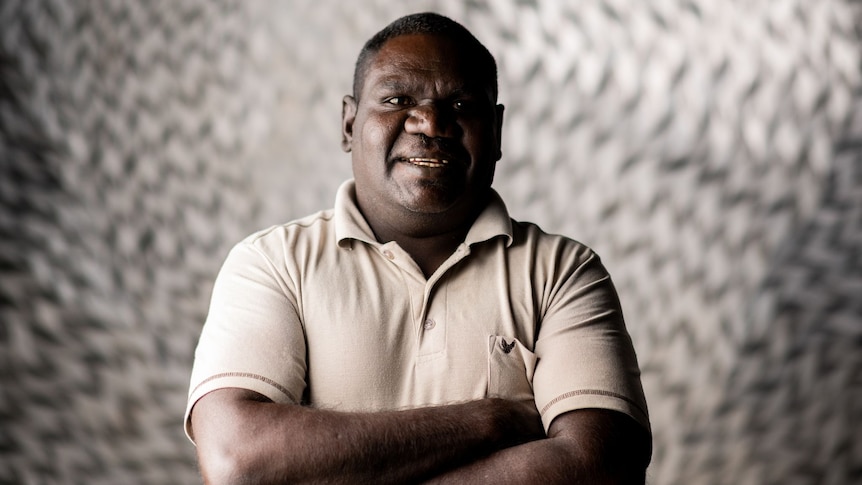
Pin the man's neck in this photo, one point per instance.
(429, 238)
(428, 250)
(430, 253)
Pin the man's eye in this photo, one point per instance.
(463, 105)
(399, 100)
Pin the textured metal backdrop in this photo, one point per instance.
(710, 151)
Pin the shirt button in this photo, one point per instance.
(388, 254)
(429, 324)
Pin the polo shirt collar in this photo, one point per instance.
(349, 221)
(350, 224)
(493, 221)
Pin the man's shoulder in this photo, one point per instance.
(313, 227)
(539, 248)
(530, 233)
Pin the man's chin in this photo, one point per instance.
(431, 198)
(428, 207)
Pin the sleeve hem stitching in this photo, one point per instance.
(248, 375)
(594, 392)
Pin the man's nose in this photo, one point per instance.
(430, 120)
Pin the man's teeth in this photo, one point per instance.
(428, 162)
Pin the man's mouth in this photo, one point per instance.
(427, 162)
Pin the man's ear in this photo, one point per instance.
(499, 130)
(348, 115)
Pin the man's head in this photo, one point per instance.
(427, 23)
(423, 127)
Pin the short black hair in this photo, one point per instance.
(426, 23)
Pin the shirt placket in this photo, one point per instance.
(428, 299)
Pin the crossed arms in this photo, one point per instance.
(242, 437)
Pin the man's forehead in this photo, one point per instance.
(416, 51)
(400, 72)
(405, 58)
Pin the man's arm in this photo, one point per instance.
(242, 437)
(591, 446)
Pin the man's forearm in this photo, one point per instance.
(549, 461)
(243, 439)
(595, 447)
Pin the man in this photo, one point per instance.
(415, 333)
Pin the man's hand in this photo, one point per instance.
(243, 437)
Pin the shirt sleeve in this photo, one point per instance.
(586, 357)
(253, 336)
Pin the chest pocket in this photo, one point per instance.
(510, 369)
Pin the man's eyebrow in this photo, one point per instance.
(395, 85)
(391, 84)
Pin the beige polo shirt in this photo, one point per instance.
(316, 311)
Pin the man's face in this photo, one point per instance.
(425, 133)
